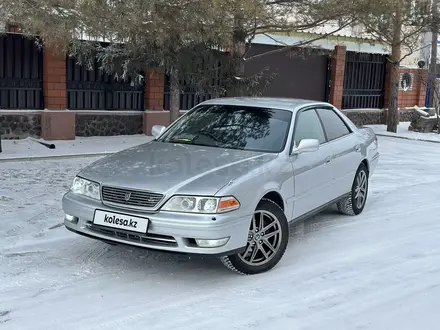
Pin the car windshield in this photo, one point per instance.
(232, 127)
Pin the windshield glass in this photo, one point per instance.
(232, 126)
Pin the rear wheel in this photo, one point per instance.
(267, 241)
(354, 203)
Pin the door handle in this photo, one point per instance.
(328, 160)
(358, 148)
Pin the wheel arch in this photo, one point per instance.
(367, 164)
(275, 197)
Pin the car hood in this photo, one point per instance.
(170, 168)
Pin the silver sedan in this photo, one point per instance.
(226, 179)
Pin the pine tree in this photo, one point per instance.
(182, 38)
(399, 24)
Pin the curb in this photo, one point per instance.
(19, 159)
(406, 138)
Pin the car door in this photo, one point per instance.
(311, 170)
(346, 151)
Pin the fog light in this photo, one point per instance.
(212, 243)
(71, 218)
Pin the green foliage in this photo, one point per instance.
(182, 37)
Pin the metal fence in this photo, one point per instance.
(364, 81)
(21, 73)
(191, 94)
(96, 90)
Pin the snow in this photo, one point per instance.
(97, 145)
(379, 270)
(403, 132)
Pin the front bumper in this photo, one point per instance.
(167, 231)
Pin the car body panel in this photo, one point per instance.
(305, 182)
(163, 224)
(174, 168)
(313, 180)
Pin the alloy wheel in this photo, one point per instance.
(361, 189)
(264, 239)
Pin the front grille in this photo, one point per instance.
(136, 198)
(129, 236)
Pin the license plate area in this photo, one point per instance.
(121, 221)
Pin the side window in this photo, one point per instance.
(308, 126)
(333, 124)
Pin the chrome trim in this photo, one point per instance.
(129, 206)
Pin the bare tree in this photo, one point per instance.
(399, 24)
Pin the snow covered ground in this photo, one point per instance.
(403, 132)
(103, 145)
(96, 145)
(380, 270)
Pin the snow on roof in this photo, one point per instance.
(355, 44)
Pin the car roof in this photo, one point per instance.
(265, 102)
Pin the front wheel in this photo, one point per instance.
(267, 241)
(354, 203)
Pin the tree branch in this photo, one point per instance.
(299, 44)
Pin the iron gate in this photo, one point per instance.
(189, 96)
(21, 73)
(364, 81)
(96, 90)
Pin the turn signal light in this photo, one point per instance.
(228, 204)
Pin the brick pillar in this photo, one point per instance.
(386, 97)
(154, 90)
(337, 76)
(57, 123)
(54, 80)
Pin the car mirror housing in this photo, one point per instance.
(306, 145)
(157, 130)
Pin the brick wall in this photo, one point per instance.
(337, 76)
(415, 96)
(13, 28)
(154, 90)
(54, 80)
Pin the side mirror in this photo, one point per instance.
(157, 130)
(306, 145)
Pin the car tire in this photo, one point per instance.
(354, 203)
(267, 241)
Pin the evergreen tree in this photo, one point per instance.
(399, 24)
(180, 37)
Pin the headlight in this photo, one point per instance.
(198, 204)
(85, 187)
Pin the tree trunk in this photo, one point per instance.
(393, 107)
(238, 51)
(174, 95)
(433, 64)
(433, 95)
(432, 70)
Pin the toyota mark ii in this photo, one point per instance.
(226, 179)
